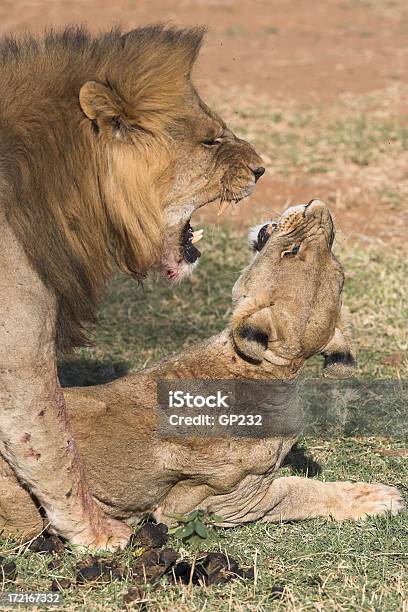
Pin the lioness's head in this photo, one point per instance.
(288, 300)
(162, 152)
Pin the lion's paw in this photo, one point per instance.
(361, 499)
(111, 535)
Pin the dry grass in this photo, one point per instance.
(321, 565)
(360, 144)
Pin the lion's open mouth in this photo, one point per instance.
(181, 253)
(188, 238)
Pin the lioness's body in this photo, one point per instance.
(130, 469)
(133, 472)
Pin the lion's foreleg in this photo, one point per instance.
(36, 441)
(294, 498)
(35, 437)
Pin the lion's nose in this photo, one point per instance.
(258, 172)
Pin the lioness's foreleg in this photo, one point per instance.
(296, 498)
(35, 437)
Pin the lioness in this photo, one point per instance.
(287, 303)
(106, 150)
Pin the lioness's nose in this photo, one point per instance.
(258, 172)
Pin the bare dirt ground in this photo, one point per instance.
(334, 57)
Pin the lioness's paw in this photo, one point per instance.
(111, 535)
(361, 499)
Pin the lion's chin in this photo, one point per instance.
(175, 272)
(181, 257)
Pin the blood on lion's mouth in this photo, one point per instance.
(188, 239)
(177, 263)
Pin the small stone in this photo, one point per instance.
(151, 536)
(60, 584)
(135, 595)
(98, 569)
(49, 544)
(153, 563)
(89, 574)
(277, 591)
(112, 570)
(168, 557)
(55, 564)
(249, 573)
(181, 573)
(8, 571)
(217, 567)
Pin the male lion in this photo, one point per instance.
(106, 150)
(287, 304)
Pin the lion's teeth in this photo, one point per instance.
(197, 236)
(223, 207)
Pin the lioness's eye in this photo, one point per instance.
(208, 142)
(293, 251)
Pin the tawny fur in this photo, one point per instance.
(53, 167)
(133, 473)
(73, 199)
(104, 156)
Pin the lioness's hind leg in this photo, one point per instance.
(19, 515)
(296, 498)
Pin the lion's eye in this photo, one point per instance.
(209, 142)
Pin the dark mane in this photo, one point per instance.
(115, 45)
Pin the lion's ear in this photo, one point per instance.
(98, 100)
(148, 92)
(339, 361)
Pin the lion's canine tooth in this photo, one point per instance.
(223, 207)
(197, 236)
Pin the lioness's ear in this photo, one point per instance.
(251, 328)
(339, 361)
(250, 342)
(259, 235)
(99, 100)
